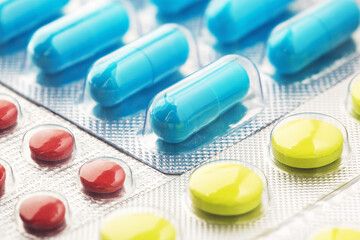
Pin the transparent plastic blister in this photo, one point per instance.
(194, 112)
(49, 146)
(42, 215)
(234, 219)
(9, 124)
(105, 179)
(326, 167)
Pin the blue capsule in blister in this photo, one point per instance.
(230, 20)
(296, 43)
(78, 36)
(174, 6)
(138, 65)
(188, 106)
(19, 16)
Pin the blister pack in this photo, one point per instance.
(125, 126)
(155, 88)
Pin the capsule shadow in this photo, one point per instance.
(15, 45)
(344, 50)
(219, 127)
(136, 103)
(73, 73)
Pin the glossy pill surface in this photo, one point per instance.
(307, 143)
(355, 97)
(296, 43)
(188, 106)
(2, 176)
(138, 226)
(42, 212)
(225, 189)
(78, 36)
(174, 6)
(229, 20)
(138, 65)
(102, 176)
(51, 145)
(18, 16)
(8, 114)
(338, 234)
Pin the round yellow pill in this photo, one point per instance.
(355, 97)
(307, 143)
(225, 189)
(338, 234)
(138, 226)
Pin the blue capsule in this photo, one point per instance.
(78, 36)
(138, 65)
(19, 16)
(188, 106)
(230, 20)
(296, 43)
(174, 6)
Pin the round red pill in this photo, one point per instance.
(2, 175)
(102, 176)
(8, 114)
(51, 145)
(42, 212)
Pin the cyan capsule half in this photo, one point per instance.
(174, 6)
(230, 20)
(18, 16)
(296, 43)
(185, 108)
(138, 65)
(78, 36)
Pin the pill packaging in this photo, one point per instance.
(123, 126)
(290, 194)
(268, 100)
(24, 177)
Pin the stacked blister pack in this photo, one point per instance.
(154, 119)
